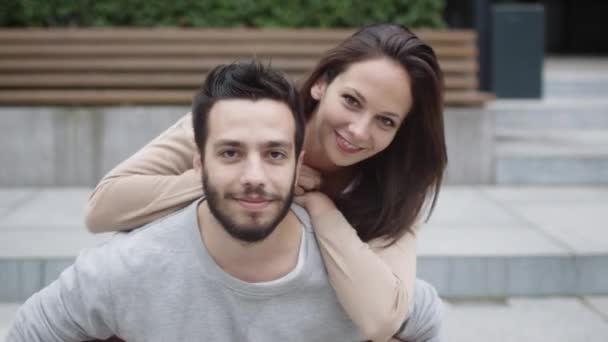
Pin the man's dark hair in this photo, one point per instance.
(248, 80)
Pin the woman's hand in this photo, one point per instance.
(308, 194)
(309, 180)
(315, 202)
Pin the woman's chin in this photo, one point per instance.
(344, 161)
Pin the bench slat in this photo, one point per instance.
(161, 97)
(332, 36)
(190, 80)
(165, 65)
(89, 50)
(178, 64)
(467, 98)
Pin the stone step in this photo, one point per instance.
(556, 319)
(551, 156)
(581, 88)
(508, 320)
(7, 313)
(551, 113)
(481, 242)
(552, 143)
(516, 241)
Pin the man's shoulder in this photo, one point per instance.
(302, 216)
(152, 245)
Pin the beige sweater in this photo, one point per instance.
(373, 284)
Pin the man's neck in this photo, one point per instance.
(262, 261)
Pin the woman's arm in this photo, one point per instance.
(155, 181)
(372, 283)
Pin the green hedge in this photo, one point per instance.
(220, 13)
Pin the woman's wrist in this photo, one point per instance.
(316, 203)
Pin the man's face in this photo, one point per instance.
(249, 166)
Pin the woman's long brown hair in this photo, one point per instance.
(394, 185)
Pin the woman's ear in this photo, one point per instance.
(318, 89)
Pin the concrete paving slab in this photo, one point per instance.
(461, 277)
(564, 214)
(486, 241)
(600, 304)
(575, 216)
(582, 239)
(552, 171)
(543, 276)
(7, 313)
(52, 270)
(483, 241)
(20, 279)
(51, 209)
(47, 245)
(581, 226)
(491, 277)
(579, 114)
(512, 320)
(545, 194)
(522, 320)
(466, 207)
(11, 199)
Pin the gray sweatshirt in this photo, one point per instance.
(160, 284)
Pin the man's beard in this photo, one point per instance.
(246, 232)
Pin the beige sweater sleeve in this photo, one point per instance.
(373, 284)
(155, 181)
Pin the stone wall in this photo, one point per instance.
(76, 146)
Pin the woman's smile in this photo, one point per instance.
(344, 145)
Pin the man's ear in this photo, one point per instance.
(318, 89)
(197, 163)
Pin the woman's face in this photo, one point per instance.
(360, 111)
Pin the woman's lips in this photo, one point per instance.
(344, 145)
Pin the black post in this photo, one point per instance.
(518, 50)
(483, 25)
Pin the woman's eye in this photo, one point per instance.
(351, 101)
(387, 122)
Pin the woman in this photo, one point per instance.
(374, 156)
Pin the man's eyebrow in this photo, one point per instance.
(278, 143)
(226, 142)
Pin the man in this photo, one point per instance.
(238, 265)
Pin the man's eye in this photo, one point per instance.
(229, 154)
(276, 155)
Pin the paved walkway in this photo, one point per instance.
(515, 320)
(482, 242)
(514, 263)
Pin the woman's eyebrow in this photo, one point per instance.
(357, 94)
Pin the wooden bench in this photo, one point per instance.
(165, 66)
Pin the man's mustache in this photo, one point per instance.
(257, 192)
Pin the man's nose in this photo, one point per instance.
(254, 174)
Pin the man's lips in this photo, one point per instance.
(253, 204)
(345, 145)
